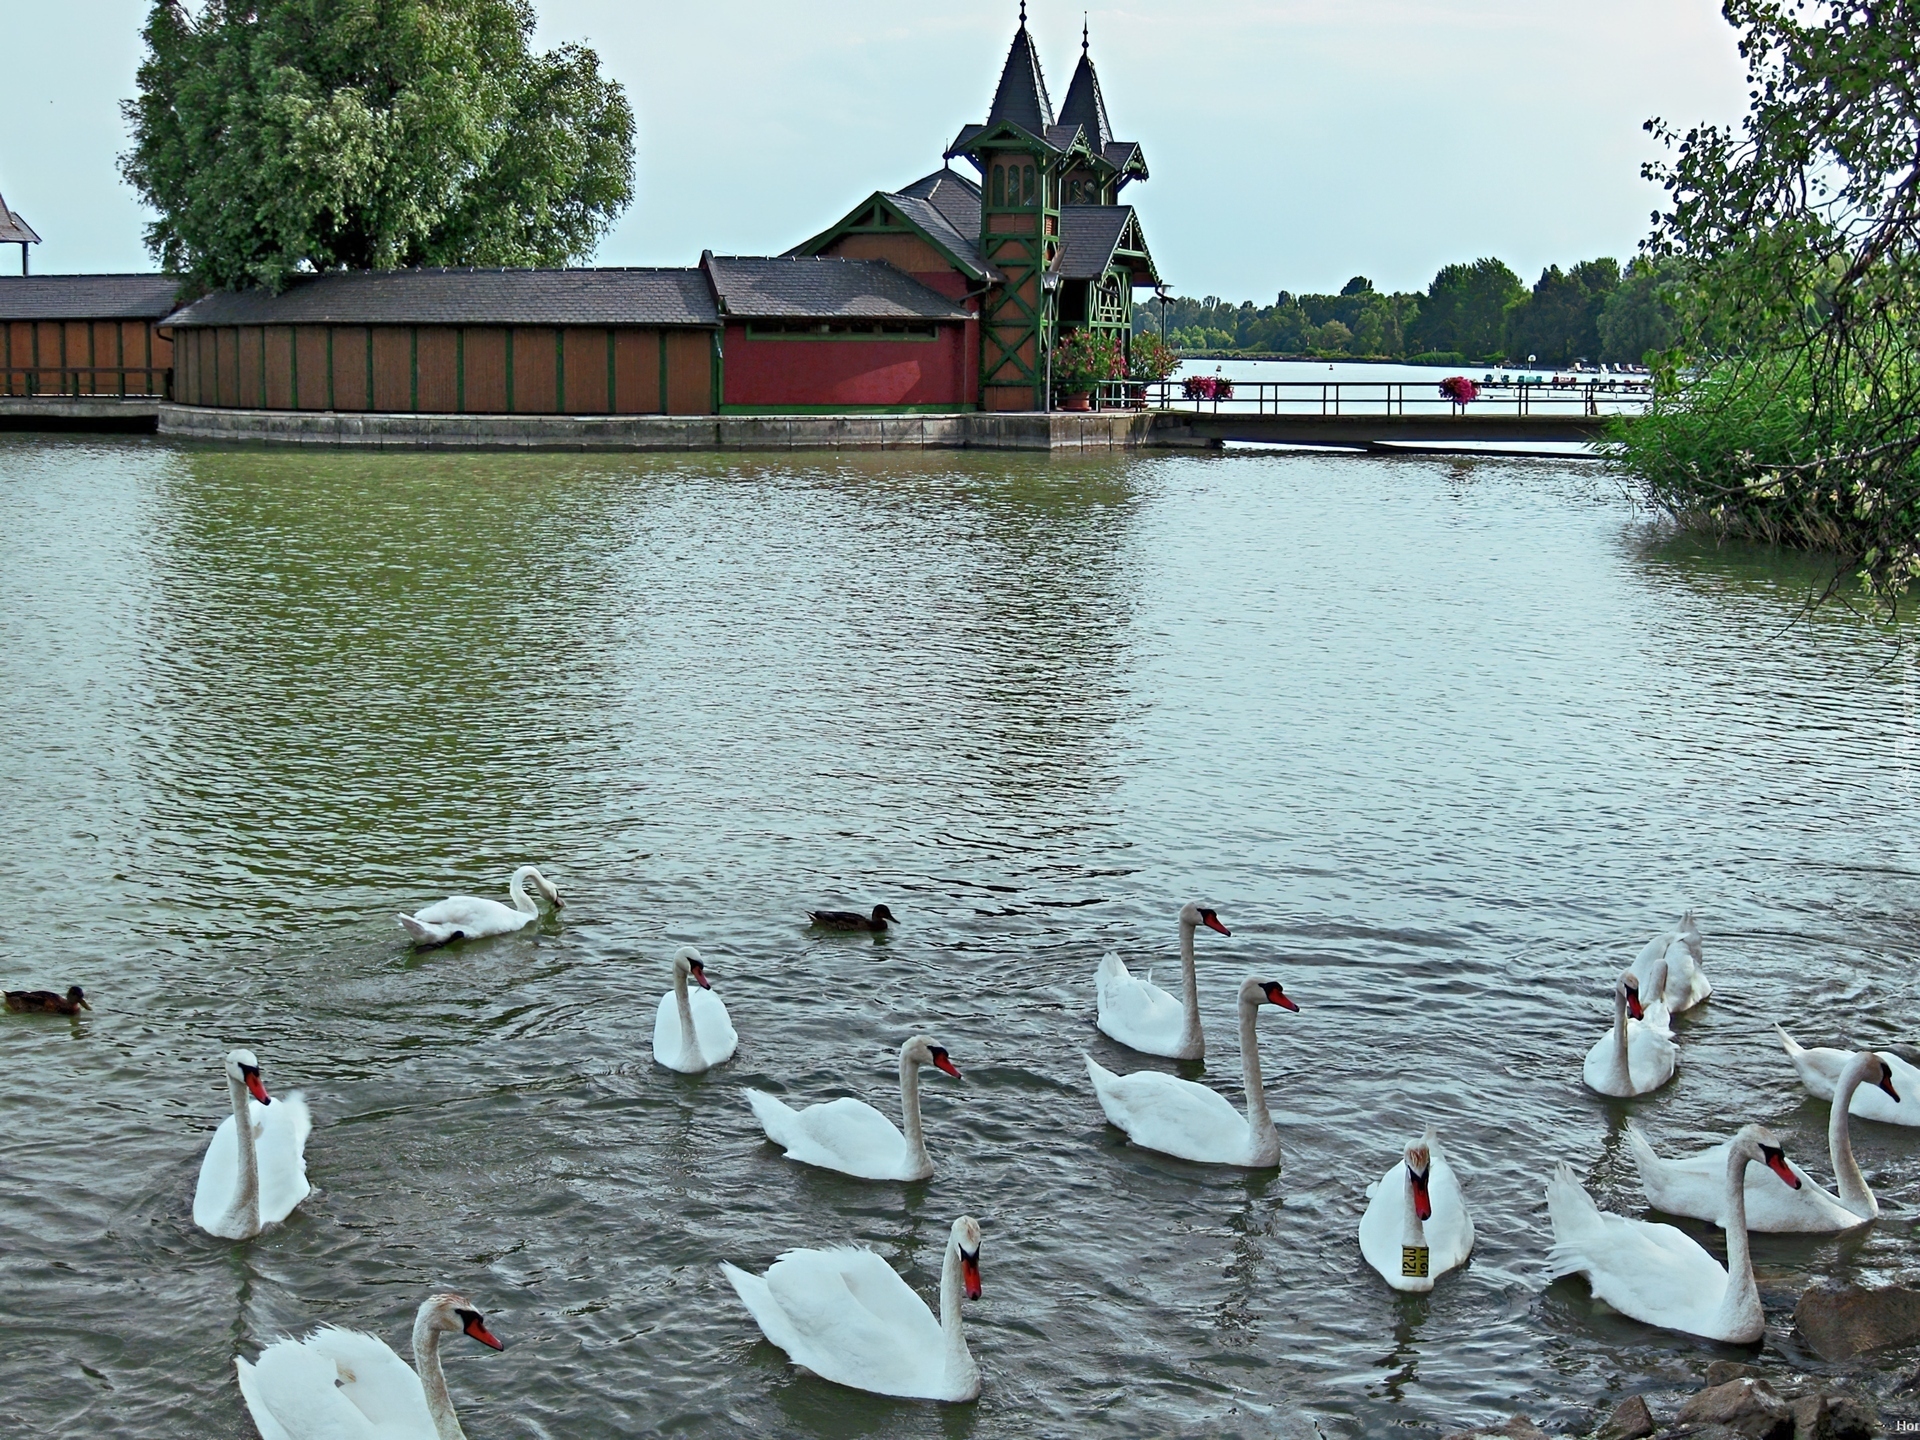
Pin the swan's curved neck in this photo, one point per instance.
(1854, 1192)
(1620, 1035)
(689, 1037)
(245, 1211)
(426, 1361)
(1741, 1307)
(1266, 1140)
(1192, 1041)
(959, 1360)
(910, 1120)
(516, 891)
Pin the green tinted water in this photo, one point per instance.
(1444, 743)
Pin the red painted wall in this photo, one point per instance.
(854, 373)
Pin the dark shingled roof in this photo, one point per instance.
(1089, 234)
(947, 206)
(87, 297)
(1022, 96)
(821, 287)
(468, 297)
(1086, 106)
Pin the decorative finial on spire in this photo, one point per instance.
(1083, 32)
(1023, 14)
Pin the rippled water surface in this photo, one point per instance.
(1444, 743)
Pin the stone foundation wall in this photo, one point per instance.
(1115, 430)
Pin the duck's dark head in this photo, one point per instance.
(882, 917)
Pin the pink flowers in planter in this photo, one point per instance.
(1459, 389)
(1207, 387)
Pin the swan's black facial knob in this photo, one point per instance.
(474, 1324)
(970, 1272)
(1776, 1159)
(1885, 1082)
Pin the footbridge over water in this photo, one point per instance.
(1395, 415)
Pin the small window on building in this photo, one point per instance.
(999, 185)
(1027, 183)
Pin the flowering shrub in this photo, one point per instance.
(1084, 359)
(1151, 360)
(1459, 389)
(1207, 387)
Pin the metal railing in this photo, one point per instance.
(1615, 395)
(70, 385)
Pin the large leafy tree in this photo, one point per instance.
(1559, 321)
(1792, 406)
(1466, 309)
(277, 136)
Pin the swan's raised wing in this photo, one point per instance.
(219, 1177)
(857, 1321)
(1133, 1011)
(374, 1380)
(712, 1026)
(1175, 1117)
(324, 1388)
(847, 1135)
(281, 1131)
(1450, 1231)
(1650, 1272)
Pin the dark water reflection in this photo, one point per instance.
(1442, 741)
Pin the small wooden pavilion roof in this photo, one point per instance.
(14, 229)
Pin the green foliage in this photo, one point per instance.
(1150, 360)
(1083, 359)
(1558, 322)
(274, 136)
(1466, 309)
(1641, 317)
(1795, 407)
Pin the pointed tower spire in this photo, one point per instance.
(1085, 106)
(1022, 96)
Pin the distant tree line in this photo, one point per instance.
(1476, 313)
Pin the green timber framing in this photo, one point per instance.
(878, 215)
(1020, 189)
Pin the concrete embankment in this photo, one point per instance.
(1111, 430)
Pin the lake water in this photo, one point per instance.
(1444, 742)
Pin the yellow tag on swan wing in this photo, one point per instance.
(1413, 1261)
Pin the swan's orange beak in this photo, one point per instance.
(1777, 1162)
(941, 1061)
(1633, 1005)
(1422, 1203)
(700, 974)
(1886, 1082)
(477, 1328)
(1212, 922)
(970, 1273)
(254, 1084)
(1277, 996)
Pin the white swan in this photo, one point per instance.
(1180, 1118)
(850, 1135)
(692, 1032)
(468, 917)
(1692, 1186)
(1654, 1013)
(1142, 1016)
(1820, 1071)
(1687, 983)
(255, 1168)
(845, 1315)
(1657, 1274)
(1632, 1058)
(1416, 1227)
(346, 1385)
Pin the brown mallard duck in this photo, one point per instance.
(852, 919)
(47, 1002)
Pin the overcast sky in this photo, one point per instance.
(1293, 143)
